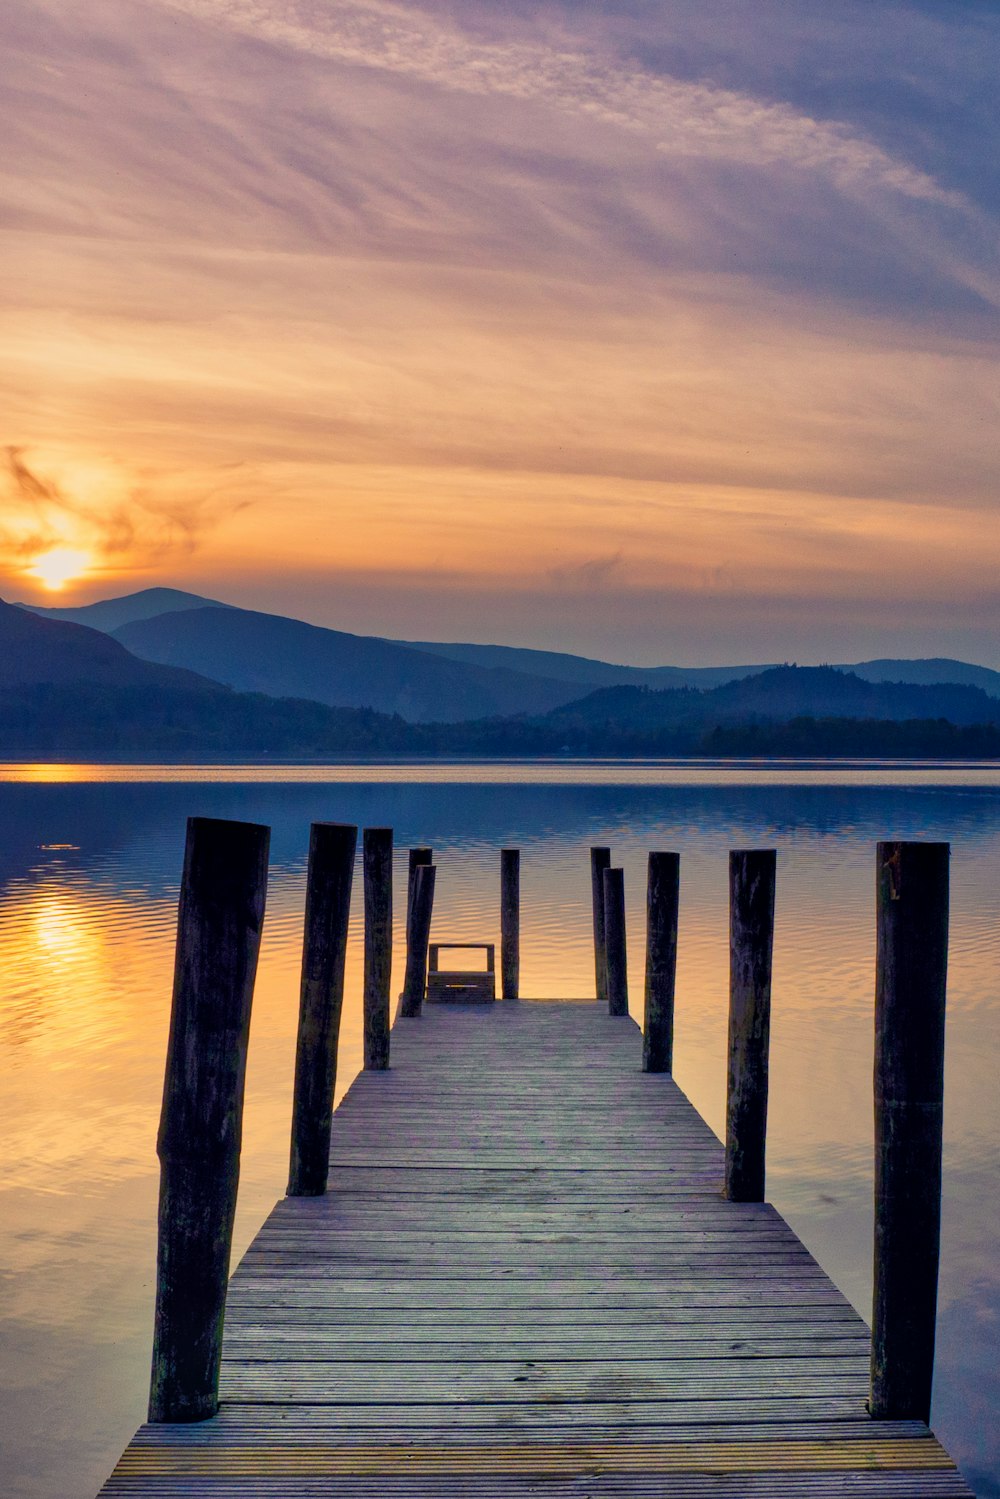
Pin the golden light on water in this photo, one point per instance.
(63, 933)
(59, 566)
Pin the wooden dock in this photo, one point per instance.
(523, 1281)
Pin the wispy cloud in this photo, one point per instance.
(679, 118)
(593, 575)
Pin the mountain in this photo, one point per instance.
(777, 695)
(792, 691)
(107, 705)
(929, 671)
(583, 670)
(109, 614)
(268, 653)
(53, 652)
(548, 667)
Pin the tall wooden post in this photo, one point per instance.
(415, 981)
(332, 847)
(910, 982)
(662, 892)
(600, 860)
(219, 922)
(751, 938)
(378, 945)
(417, 857)
(510, 922)
(614, 936)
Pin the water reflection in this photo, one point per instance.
(88, 890)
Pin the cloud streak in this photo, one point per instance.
(679, 118)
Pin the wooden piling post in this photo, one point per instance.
(510, 922)
(220, 915)
(662, 892)
(378, 945)
(415, 981)
(614, 936)
(417, 857)
(600, 860)
(751, 938)
(910, 982)
(332, 847)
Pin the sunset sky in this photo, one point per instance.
(661, 330)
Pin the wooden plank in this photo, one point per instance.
(500, 1295)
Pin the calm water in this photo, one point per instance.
(89, 862)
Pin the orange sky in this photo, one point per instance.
(552, 327)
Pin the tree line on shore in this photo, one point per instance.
(98, 721)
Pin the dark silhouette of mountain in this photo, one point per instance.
(930, 671)
(776, 695)
(268, 653)
(35, 650)
(585, 671)
(109, 614)
(790, 691)
(174, 716)
(582, 670)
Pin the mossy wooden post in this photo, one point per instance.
(662, 891)
(378, 945)
(751, 938)
(332, 847)
(910, 980)
(421, 909)
(614, 936)
(417, 857)
(600, 860)
(219, 922)
(510, 922)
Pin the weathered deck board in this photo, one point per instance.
(523, 1281)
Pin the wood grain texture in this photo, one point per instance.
(220, 916)
(524, 1281)
(510, 922)
(329, 877)
(415, 858)
(662, 897)
(616, 959)
(910, 982)
(419, 915)
(751, 938)
(378, 945)
(600, 860)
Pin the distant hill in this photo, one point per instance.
(36, 651)
(540, 667)
(109, 614)
(268, 653)
(789, 691)
(583, 670)
(929, 671)
(776, 695)
(587, 672)
(173, 715)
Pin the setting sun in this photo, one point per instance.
(55, 568)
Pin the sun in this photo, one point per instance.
(55, 568)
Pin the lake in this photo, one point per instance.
(89, 865)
